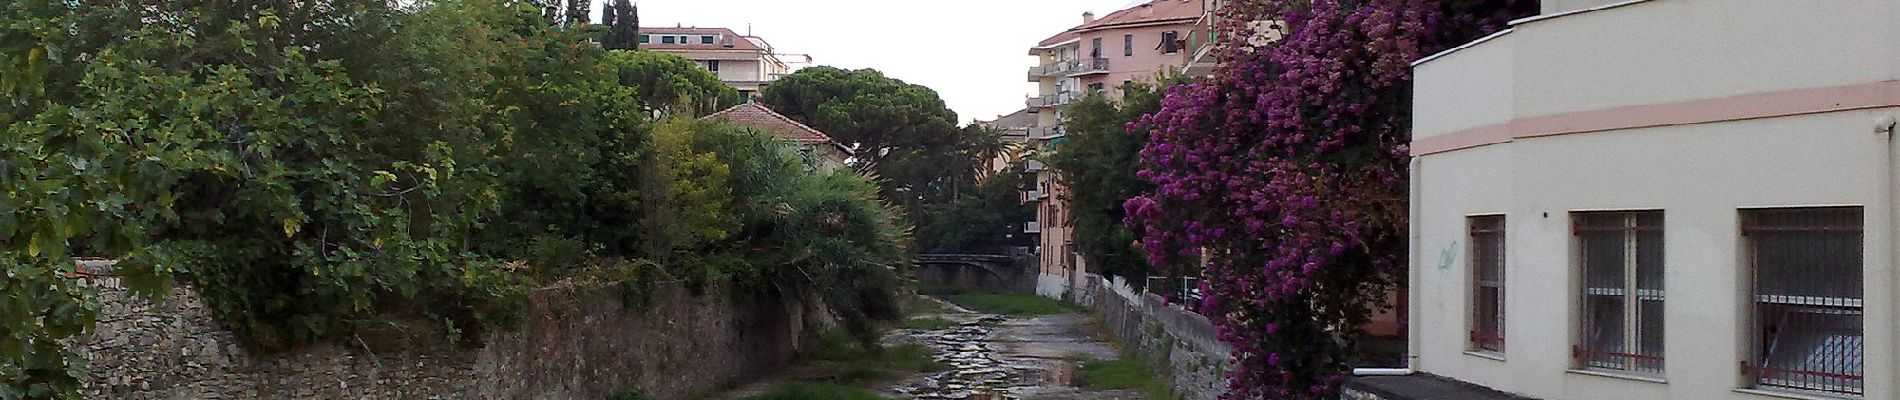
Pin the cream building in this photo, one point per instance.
(1098, 56)
(1662, 199)
(748, 63)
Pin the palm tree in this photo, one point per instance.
(982, 145)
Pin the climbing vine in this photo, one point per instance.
(1284, 175)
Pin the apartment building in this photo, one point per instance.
(747, 63)
(1662, 199)
(1097, 56)
(1015, 127)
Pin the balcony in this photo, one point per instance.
(1057, 99)
(1090, 66)
(1032, 227)
(1044, 133)
(1033, 166)
(1051, 70)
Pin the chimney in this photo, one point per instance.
(1088, 16)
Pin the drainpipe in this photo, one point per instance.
(1412, 273)
(1885, 126)
(1415, 267)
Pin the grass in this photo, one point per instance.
(1011, 304)
(857, 364)
(1123, 374)
(920, 305)
(926, 323)
(816, 391)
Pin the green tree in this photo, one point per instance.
(903, 130)
(670, 84)
(983, 219)
(1098, 161)
(623, 25)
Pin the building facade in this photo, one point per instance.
(1098, 56)
(1662, 199)
(747, 63)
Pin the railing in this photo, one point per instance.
(1051, 69)
(1044, 132)
(1097, 65)
(1034, 166)
(1055, 100)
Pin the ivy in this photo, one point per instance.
(1285, 173)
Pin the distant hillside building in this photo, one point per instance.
(748, 63)
(818, 149)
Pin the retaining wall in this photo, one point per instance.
(1168, 335)
(574, 344)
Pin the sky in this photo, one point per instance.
(974, 53)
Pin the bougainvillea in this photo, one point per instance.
(1283, 176)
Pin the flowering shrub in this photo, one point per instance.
(1283, 175)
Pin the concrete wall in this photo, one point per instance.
(574, 345)
(1697, 108)
(1185, 343)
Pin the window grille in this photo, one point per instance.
(1621, 255)
(1487, 283)
(1806, 313)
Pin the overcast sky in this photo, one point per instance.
(973, 52)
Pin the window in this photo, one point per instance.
(646, 39)
(1487, 283)
(1805, 264)
(668, 39)
(712, 65)
(1096, 50)
(1095, 87)
(1168, 44)
(1621, 254)
(1128, 45)
(706, 39)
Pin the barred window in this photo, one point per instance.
(1806, 313)
(1487, 283)
(1621, 254)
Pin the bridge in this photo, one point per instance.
(991, 272)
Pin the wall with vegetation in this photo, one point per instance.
(577, 343)
(1185, 344)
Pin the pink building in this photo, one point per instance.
(1098, 56)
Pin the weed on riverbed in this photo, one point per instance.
(857, 364)
(815, 391)
(1011, 304)
(926, 323)
(1125, 373)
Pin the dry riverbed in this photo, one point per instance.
(980, 357)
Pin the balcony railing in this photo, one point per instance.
(1044, 133)
(1054, 100)
(1033, 166)
(1088, 66)
(1055, 69)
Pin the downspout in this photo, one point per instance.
(1885, 126)
(1412, 273)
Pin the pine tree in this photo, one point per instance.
(623, 26)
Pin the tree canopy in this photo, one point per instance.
(1098, 162)
(904, 130)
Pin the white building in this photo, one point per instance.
(748, 63)
(1686, 199)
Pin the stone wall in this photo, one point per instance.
(574, 344)
(1184, 342)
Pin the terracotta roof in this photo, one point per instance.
(757, 116)
(1155, 11)
(721, 37)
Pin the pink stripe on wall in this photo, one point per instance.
(1749, 106)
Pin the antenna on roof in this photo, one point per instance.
(748, 29)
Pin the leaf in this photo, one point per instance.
(291, 227)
